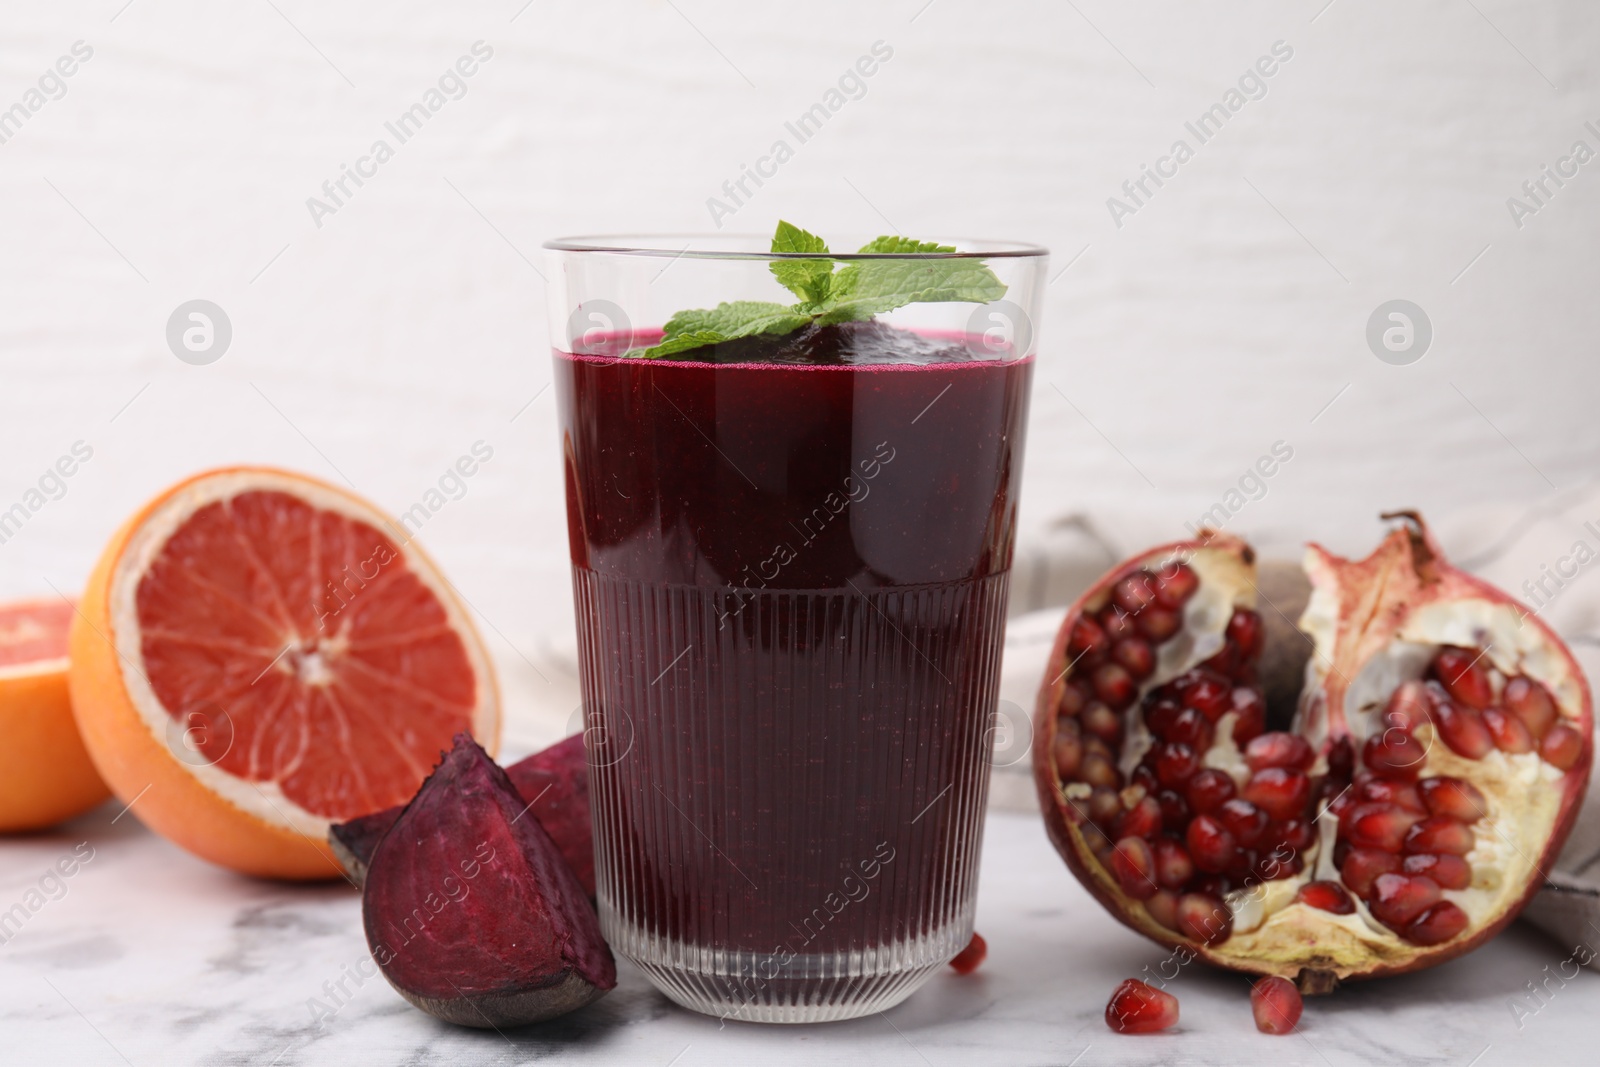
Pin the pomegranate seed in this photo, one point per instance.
(1100, 772)
(1074, 697)
(1158, 624)
(1278, 750)
(1145, 778)
(1250, 715)
(1439, 834)
(1530, 702)
(1387, 791)
(1243, 866)
(1173, 866)
(1562, 747)
(1362, 867)
(1105, 807)
(1464, 673)
(1118, 624)
(1192, 729)
(1133, 864)
(1087, 639)
(1380, 826)
(1399, 898)
(1407, 708)
(1437, 925)
(1282, 793)
(1160, 715)
(1204, 917)
(1214, 885)
(1114, 685)
(1175, 584)
(1207, 692)
(1136, 1008)
(1163, 908)
(1174, 810)
(1451, 872)
(1245, 631)
(1453, 797)
(1141, 820)
(1225, 662)
(1509, 732)
(1244, 821)
(1209, 789)
(1296, 835)
(1067, 748)
(1100, 721)
(1211, 846)
(1135, 654)
(1463, 730)
(1276, 1004)
(967, 960)
(1341, 760)
(1393, 754)
(1133, 593)
(1328, 896)
(1175, 764)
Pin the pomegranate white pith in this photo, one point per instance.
(1439, 750)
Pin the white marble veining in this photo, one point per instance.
(151, 957)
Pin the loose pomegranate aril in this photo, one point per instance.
(1135, 592)
(1437, 925)
(1175, 811)
(1362, 867)
(1136, 655)
(1141, 820)
(1175, 764)
(1380, 826)
(1451, 872)
(1282, 793)
(1209, 789)
(1562, 747)
(1087, 640)
(1453, 797)
(1399, 898)
(1394, 754)
(1509, 732)
(1246, 633)
(1211, 846)
(1278, 750)
(1464, 673)
(1530, 702)
(1100, 721)
(1204, 918)
(1191, 728)
(1158, 624)
(1175, 584)
(970, 958)
(1133, 864)
(1136, 1008)
(1439, 834)
(1244, 821)
(1114, 685)
(1463, 730)
(1249, 708)
(1276, 1004)
(1173, 867)
(1328, 896)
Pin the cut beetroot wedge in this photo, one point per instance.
(470, 910)
(553, 782)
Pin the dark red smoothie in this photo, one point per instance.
(790, 560)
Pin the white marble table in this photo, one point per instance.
(151, 957)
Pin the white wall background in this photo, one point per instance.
(1226, 315)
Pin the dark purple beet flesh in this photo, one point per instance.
(554, 781)
(470, 910)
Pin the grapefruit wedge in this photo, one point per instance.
(259, 654)
(45, 774)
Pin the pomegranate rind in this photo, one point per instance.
(470, 910)
(1357, 610)
(554, 783)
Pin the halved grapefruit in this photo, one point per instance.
(259, 654)
(45, 774)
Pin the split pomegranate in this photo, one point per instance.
(1433, 743)
(1137, 1008)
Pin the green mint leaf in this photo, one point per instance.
(809, 279)
(866, 288)
(741, 318)
(902, 245)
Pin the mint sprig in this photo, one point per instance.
(854, 291)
